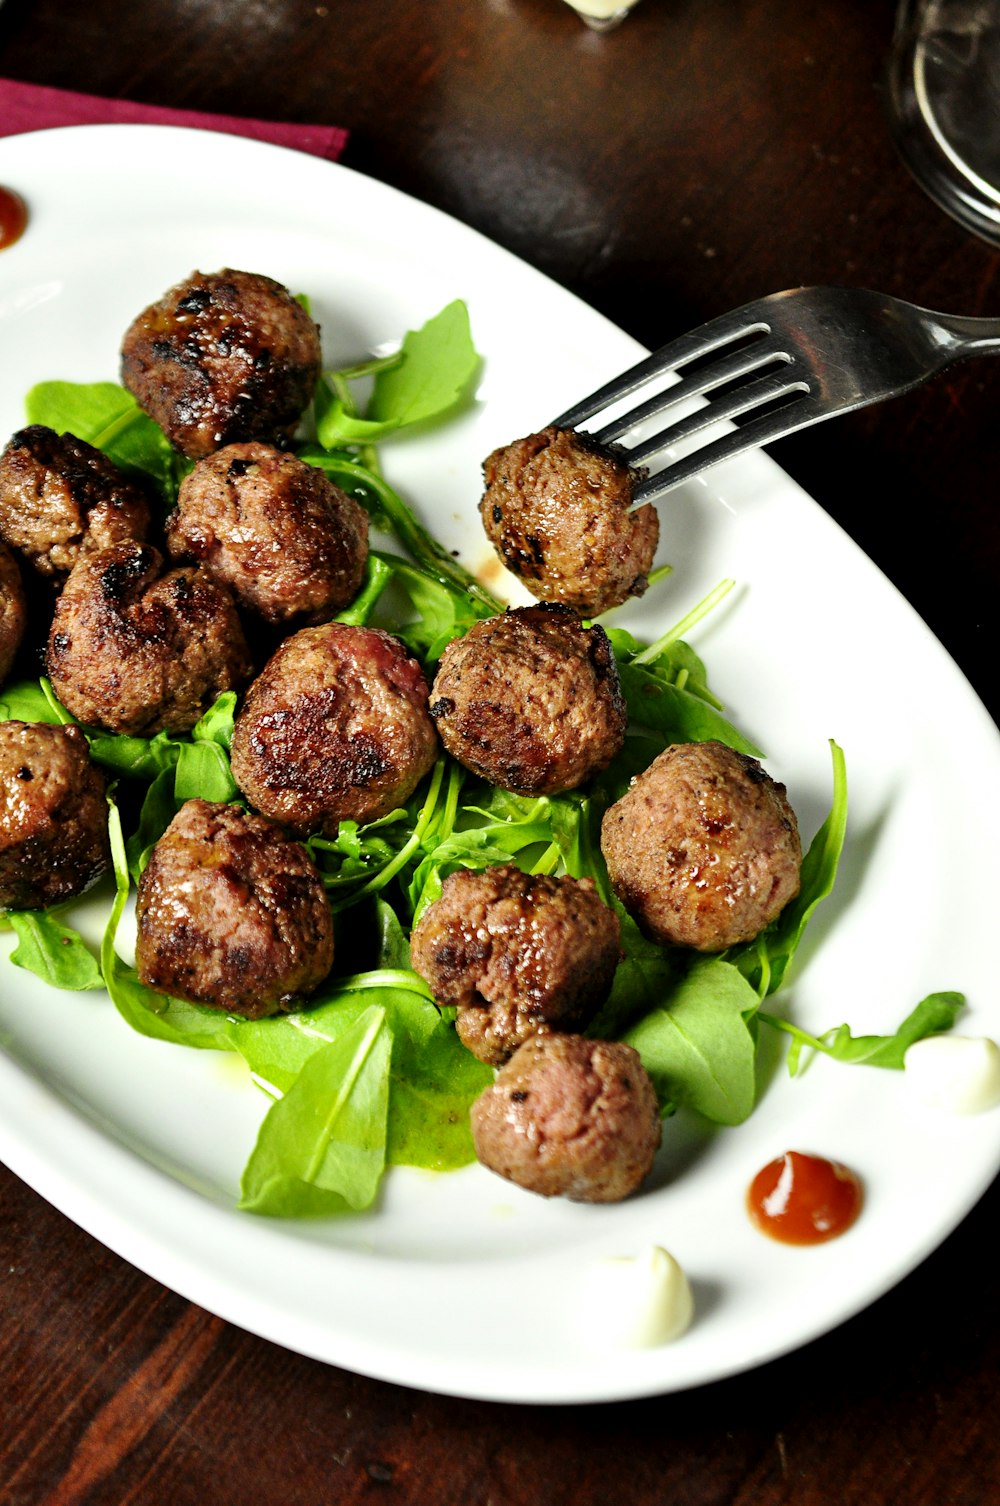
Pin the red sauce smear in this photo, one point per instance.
(804, 1200)
(13, 217)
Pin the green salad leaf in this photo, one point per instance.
(433, 372)
(321, 1148)
(54, 952)
(698, 1046)
(106, 416)
(933, 1015)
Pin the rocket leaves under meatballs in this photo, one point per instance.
(406, 1074)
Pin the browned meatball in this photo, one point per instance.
(530, 700)
(557, 510)
(232, 913)
(335, 728)
(285, 540)
(570, 1117)
(222, 357)
(703, 848)
(53, 815)
(60, 498)
(515, 951)
(13, 611)
(131, 650)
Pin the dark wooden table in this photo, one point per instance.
(707, 152)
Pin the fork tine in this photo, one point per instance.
(743, 400)
(741, 363)
(671, 357)
(764, 430)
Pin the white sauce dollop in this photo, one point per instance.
(957, 1073)
(601, 9)
(636, 1301)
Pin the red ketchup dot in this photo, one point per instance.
(804, 1200)
(13, 217)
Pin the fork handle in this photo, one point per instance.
(968, 336)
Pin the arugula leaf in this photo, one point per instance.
(643, 981)
(442, 612)
(934, 1014)
(766, 960)
(52, 951)
(434, 370)
(31, 701)
(322, 1147)
(156, 813)
(439, 363)
(378, 573)
(106, 416)
(677, 714)
(203, 771)
(216, 724)
(698, 1047)
(434, 1082)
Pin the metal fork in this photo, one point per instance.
(799, 357)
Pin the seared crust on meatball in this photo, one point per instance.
(286, 541)
(335, 728)
(515, 951)
(131, 650)
(60, 498)
(222, 357)
(13, 611)
(570, 1117)
(53, 815)
(703, 848)
(557, 510)
(531, 700)
(232, 913)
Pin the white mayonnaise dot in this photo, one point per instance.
(957, 1073)
(636, 1301)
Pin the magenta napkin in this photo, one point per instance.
(35, 107)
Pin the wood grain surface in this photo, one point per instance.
(707, 152)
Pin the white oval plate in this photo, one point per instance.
(461, 1283)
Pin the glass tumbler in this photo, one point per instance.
(944, 93)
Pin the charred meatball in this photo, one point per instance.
(60, 499)
(570, 1117)
(13, 611)
(222, 358)
(232, 913)
(530, 700)
(286, 541)
(557, 510)
(703, 848)
(335, 728)
(515, 951)
(53, 815)
(132, 650)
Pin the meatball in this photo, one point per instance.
(285, 540)
(220, 358)
(515, 951)
(53, 815)
(335, 728)
(557, 510)
(132, 650)
(13, 610)
(703, 848)
(570, 1117)
(60, 499)
(530, 700)
(232, 913)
